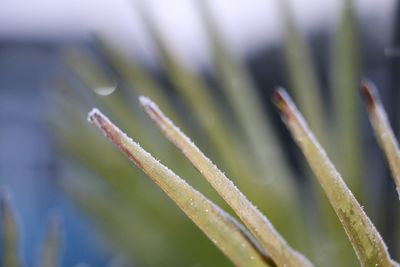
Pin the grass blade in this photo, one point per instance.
(366, 241)
(206, 215)
(82, 142)
(194, 90)
(307, 93)
(263, 230)
(51, 250)
(344, 80)
(261, 141)
(247, 106)
(301, 72)
(383, 131)
(10, 253)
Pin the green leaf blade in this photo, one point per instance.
(382, 129)
(51, 249)
(366, 241)
(345, 99)
(10, 254)
(302, 72)
(206, 215)
(257, 223)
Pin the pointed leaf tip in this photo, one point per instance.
(283, 102)
(366, 241)
(92, 114)
(6, 209)
(144, 100)
(211, 219)
(383, 131)
(152, 109)
(279, 98)
(368, 92)
(4, 200)
(256, 222)
(114, 134)
(52, 245)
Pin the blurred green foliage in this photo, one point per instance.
(141, 222)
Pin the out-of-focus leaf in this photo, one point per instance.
(383, 131)
(95, 79)
(366, 241)
(344, 80)
(10, 255)
(301, 73)
(242, 94)
(258, 224)
(227, 146)
(207, 216)
(262, 142)
(120, 220)
(140, 231)
(81, 142)
(197, 95)
(51, 255)
(136, 76)
(139, 197)
(307, 93)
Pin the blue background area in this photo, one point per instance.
(29, 158)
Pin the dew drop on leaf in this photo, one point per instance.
(105, 89)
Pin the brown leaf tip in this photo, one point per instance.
(94, 116)
(151, 108)
(104, 124)
(100, 120)
(281, 99)
(369, 94)
(112, 132)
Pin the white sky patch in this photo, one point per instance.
(246, 24)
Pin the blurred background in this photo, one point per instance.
(211, 66)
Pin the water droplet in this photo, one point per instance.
(105, 89)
